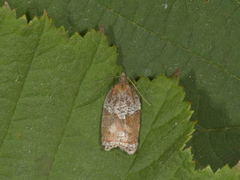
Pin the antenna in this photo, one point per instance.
(144, 99)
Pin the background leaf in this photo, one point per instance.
(44, 78)
(51, 102)
(201, 38)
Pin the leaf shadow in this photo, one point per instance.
(210, 142)
(206, 112)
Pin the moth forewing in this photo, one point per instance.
(121, 117)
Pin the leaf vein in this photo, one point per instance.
(220, 129)
(155, 118)
(72, 107)
(173, 43)
(166, 156)
(22, 86)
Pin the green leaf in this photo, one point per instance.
(51, 96)
(201, 38)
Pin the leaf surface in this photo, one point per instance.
(52, 90)
(201, 38)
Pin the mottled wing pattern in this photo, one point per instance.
(121, 118)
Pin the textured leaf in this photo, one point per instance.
(201, 38)
(51, 95)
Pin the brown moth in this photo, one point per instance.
(121, 117)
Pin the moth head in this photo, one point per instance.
(123, 78)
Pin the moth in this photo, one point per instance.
(121, 117)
